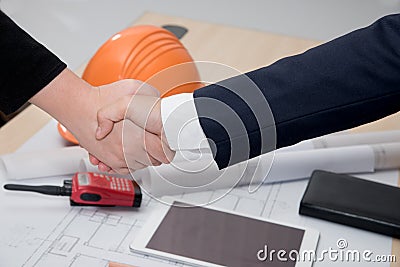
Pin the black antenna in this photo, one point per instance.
(42, 189)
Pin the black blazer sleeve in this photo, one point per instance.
(344, 83)
(26, 66)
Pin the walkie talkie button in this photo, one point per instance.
(90, 197)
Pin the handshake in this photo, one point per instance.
(119, 124)
(129, 133)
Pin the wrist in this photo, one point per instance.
(71, 101)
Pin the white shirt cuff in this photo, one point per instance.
(181, 123)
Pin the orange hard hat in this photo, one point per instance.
(146, 53)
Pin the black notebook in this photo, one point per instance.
(353, 201)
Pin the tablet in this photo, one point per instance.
(210, 236)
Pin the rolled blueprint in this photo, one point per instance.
(39, 164)
(187, 177)
(345, 139)
(353, 139)
(387, 156)
(191, 177)
(300, 164)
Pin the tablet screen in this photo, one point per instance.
(223, 238)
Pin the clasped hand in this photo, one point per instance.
(129, 135)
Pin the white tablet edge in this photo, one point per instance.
(309, 241)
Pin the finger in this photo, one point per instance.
(142, 157)
(135, 165)
(153, 161)
(122, 170)
(168, 152)
(153, 146)
(108, 115)
(134, 145)
(148, 160)
(93, 160)
(103, 167)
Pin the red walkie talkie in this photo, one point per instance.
(91, 189)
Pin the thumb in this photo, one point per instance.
(110, 114)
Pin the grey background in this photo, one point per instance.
(74, 29)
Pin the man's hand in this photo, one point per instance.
(111, 156)
(142, 130)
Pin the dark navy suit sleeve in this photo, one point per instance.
(26, 66)
(344, 83)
